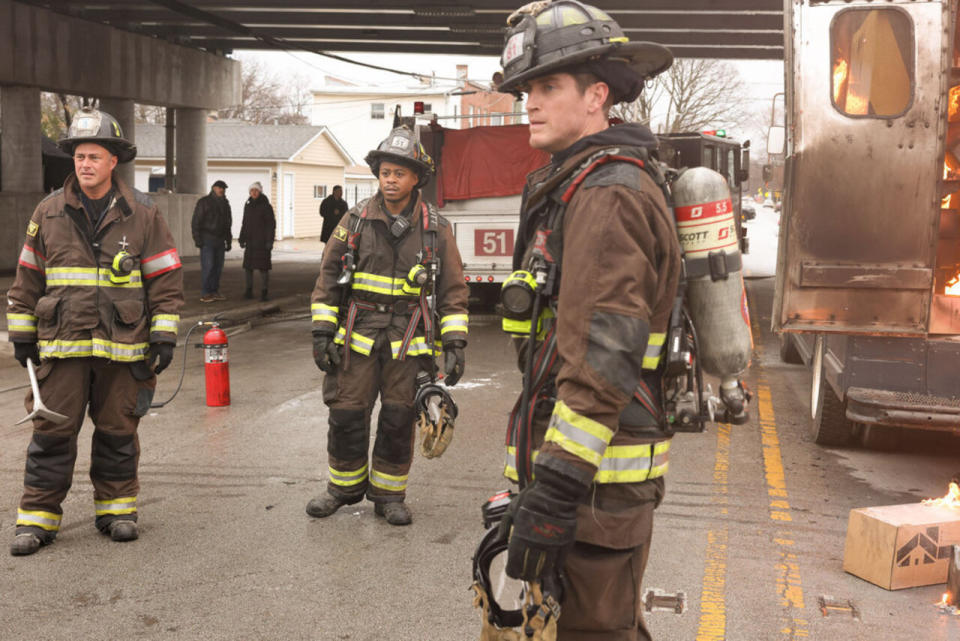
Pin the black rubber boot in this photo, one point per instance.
(25, 543)
(123, 530)
(395, 512)
(263, 296)
(324, 505)
(248, 293)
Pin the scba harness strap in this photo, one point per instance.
(421, 310)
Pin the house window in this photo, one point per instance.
(319, 191)
(872, 62)
(427, 107)
(376, 110)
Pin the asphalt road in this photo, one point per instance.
(227, 552)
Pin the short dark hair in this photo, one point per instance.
(335, 187)
(585, 79)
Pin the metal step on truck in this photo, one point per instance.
(867, 292)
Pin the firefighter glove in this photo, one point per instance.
(161, 354)
(242, 244)
(541, 525)
(23, 351)
(325, 353)
(227, 244)
(453, 362)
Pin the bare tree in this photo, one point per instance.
(694, 94)
(151, 114)
(265, 99)
(56, 113)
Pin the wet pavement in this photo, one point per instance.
(227, 552)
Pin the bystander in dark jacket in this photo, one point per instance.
(332, 209)
(256, 237)
(211, 226)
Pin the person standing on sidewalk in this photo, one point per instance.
(390, 288)
(211, 234)
(257, 233)
(95, 304)
(332, 209)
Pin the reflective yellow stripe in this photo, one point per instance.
(378, 284)
(581, 436)
(389, 482)
(21, 323)
(44, 520)
(522, 327)
(125, 505)
(418, 347)
(347, 479)
(651, 358)
(165, 323)
(455, 323)
(358, 342)
(123, 352)
(89, 277)
(324, 313)
(620, 463)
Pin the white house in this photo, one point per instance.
(298, 165)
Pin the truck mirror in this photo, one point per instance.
(776, 139)
(767, 173)
(744, 174)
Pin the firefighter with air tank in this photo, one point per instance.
(95, 305)
(390, 292)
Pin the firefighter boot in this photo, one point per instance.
(395, 512)
(324, 505)
(123, 530)
(25, 543)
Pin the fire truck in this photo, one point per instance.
(868, 267)
(481, 172)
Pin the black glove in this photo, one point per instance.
(23, 351)
(541, 524)
(325, 353)
(161, 354)
(453, 362)
(241, 243)
(227, 244)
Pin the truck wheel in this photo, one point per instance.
(788, 351)
(829, 424)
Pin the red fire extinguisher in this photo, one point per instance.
(216, 367)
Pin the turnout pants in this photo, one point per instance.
(350, 395)
(117, 395)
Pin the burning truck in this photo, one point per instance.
(868, 277)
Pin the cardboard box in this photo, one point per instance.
(901, 546)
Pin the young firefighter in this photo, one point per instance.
(391, 277)
(95, 304)
(597, 245)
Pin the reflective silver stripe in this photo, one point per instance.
(126, 505)
(45, 520)
(96, 347)
(632, 463)
(30, 258)
(165, 323)
(358, 343)
(651, 357)
(581, 436)
(21, 323)
(418, 347)
(72, 276)
(347, 479)
(160, 263)
(454, 323)
(324, 313)
(388, 481)
(378, 284)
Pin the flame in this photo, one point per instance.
(944, 600)
(953, 289)
(953, 102)
(840, 72)
(952, 499)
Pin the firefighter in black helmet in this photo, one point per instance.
(597, 251)
(95, 305)
(390, 290)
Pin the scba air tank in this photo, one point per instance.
(716, 299)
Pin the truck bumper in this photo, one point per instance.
(903, 409)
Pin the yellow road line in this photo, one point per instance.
(713, 601)
(789, 582)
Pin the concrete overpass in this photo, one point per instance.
(172, 53)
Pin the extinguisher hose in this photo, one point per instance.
(183, 368)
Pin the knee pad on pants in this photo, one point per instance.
(347, 436)
(394, 432)
(50, 461)
(114, 457)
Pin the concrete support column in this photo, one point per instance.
(21, 161)
(191, 143)
(124, 112)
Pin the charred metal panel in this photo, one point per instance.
(863, 194)
(895, 364)
(943, 368)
